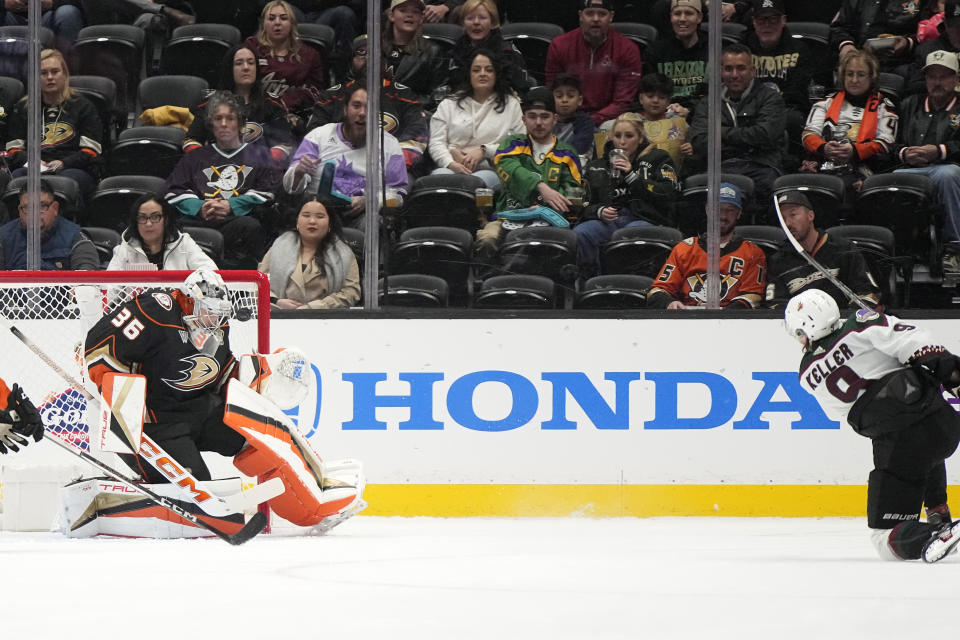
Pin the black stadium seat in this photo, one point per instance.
(102, 92)
(116, 52)
(767, 237)
(825, 192)
(878, 248)
(413, 290)
(11, 90)
(197, 49)
(439, 251)
(65, 189)
(516, 292)
(147, 151)
(542, 251)
(442, 34)
(638, 250)
(110, 204)
(210, 240)
(180, 91)
(641, 34)
(618, 291)
(104, 240)
(444, 201)
(533, 40)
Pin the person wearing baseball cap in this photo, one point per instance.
(785, 62)
(410, 59)
(681, 54)
(682, 281)
(536, 170)
(928, 143)
(945, 36)
(791, 274)
(608, 88)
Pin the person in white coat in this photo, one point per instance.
(468, 127)
(152, 237)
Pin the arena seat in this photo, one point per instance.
(878, 248)
(516, 292)
(443, 201)
(114, 51)
(21, 32)
(146, 151)
(104, 240)
(197, 49)
(444, 252)
(179, 91)
(322, 38)
(102, 92)
(891, 85)
(617, 291)
(210, 240)
(413, 290)
(533, 40)
(641, 34)
(443, 34)
(110, 204)
(638, 250)
(768, 238)
(356, 241)
(11, 90)
(542, 251)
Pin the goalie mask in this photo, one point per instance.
(810, 316)
(207, 310)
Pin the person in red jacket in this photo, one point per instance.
(607, 63)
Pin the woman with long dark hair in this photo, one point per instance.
(468, 127)
(266, 118)
(153, 237)
(312, 267)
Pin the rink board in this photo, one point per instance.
(600, 417)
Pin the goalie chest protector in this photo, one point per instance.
(147, 335)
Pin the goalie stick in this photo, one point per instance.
(847, 291)
(184, 482)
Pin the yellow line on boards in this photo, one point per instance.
(643, 501)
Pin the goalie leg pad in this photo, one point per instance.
(277, 450)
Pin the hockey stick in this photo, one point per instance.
(179, 477)
(254, 526)
(847, 291)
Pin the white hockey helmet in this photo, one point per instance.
(810, 316)
(211, 298)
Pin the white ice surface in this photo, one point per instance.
(426, 578)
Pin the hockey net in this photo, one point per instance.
(55, 310)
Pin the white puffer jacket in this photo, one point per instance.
(181, 253)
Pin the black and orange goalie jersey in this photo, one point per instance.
(147, 336)
(743, 272)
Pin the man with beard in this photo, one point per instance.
(607, 63)
(929, 144)
(343, 146)
(682, 281)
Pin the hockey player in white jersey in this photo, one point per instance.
(884, 375)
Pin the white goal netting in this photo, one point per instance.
(55, 310)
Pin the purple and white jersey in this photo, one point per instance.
(328, 144)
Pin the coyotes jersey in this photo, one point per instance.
(147, 336)
(868, 346)
(743, 267)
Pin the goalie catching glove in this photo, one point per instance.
(19, 422)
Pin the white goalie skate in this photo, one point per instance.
(943, 543)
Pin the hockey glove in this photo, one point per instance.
(9, 439)
(30, 424)
(944, 366)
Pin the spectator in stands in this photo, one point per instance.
(266, 117)
(682, 282)
(791, 274)
(72, 130)
(63, 17)
(222, 185)
(342, 146)
(536, 170)
(408, 58)
(931, 16)
(861, 23)
(153, 238)
(664, 123)
(63, 245)
(929, 144)
(574, 125)
(442, 10)
(290, 70)
(752, 125)
(805, 11)
(468, 126)
(340, 15)
(850, 134)
(312, 267)
(633, 184)
(481, 30)
(783, 62)
(947, 39)
(402, 115)
(681, 55)
(607, 63)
